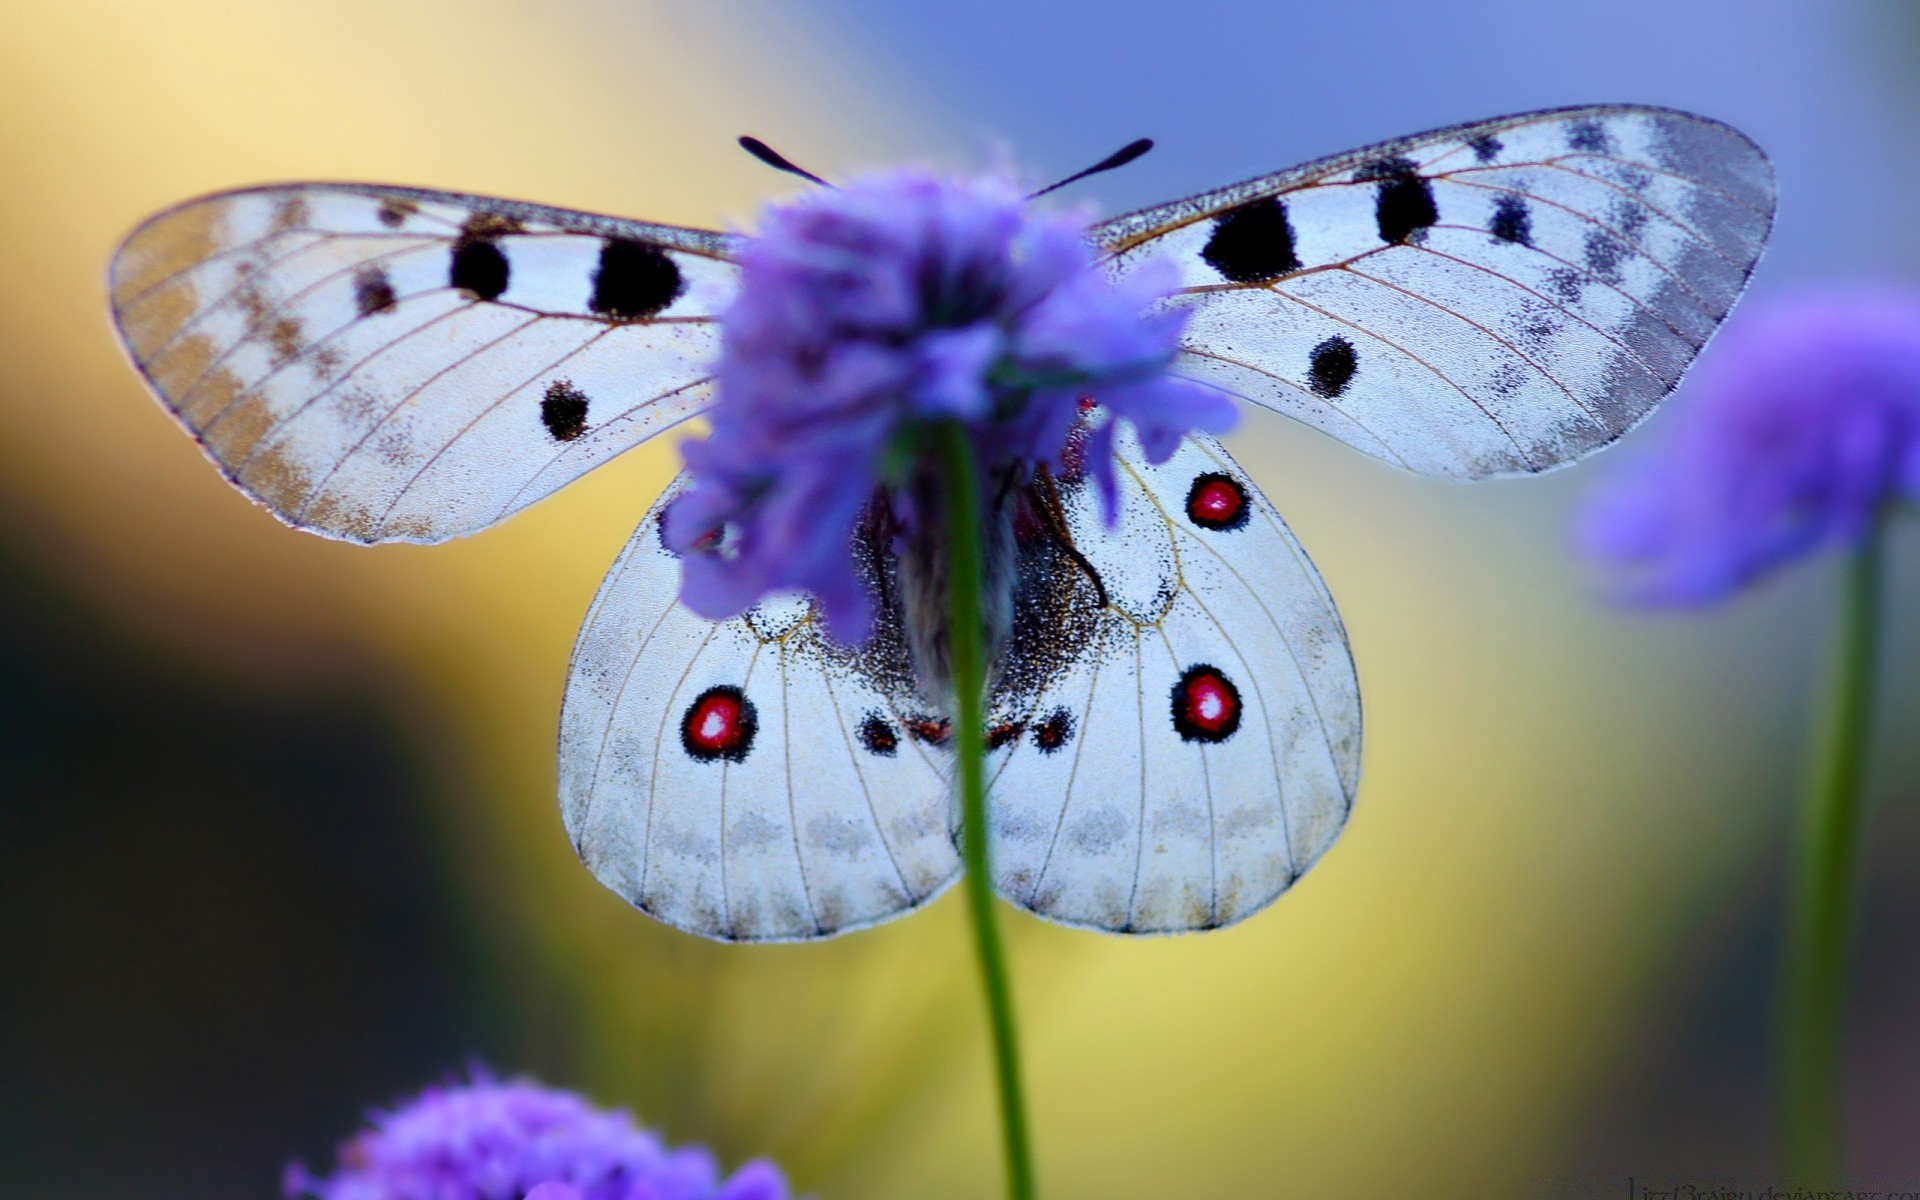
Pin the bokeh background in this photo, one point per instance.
(277, 830)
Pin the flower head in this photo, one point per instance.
(488, 1140)
(1797, 433)
(868, 312)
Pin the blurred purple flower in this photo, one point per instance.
(488, 1140)
(867, 312)
(1796, 433)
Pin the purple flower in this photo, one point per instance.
(868, 312)
(1797, 432)
(487, 1140)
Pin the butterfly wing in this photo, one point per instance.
(1173, 758)
(747, 780)
(1491, 299)
(388, 364)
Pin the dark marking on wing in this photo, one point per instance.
(634, 280)
(879, 736)
(1252, 243)
(1589, 136)
(1404, 206)
(719, 724)
(478, 268)
(1630, 217)
(1050, 735)
(564, 410)
(1218, 502)
(1604, 254)
(1511, 221)
(1205, 704)
(481, 226)
(394, 211)
(930, 731)
(1057, 604)
(372, 291)
(287, 340)
(1332, 368)
(1486, 147)
(1003, 732)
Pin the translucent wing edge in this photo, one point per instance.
(709, 242)
(1130, 229)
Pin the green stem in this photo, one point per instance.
(966, 633)
(1814, 978)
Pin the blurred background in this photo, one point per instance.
(277, 829)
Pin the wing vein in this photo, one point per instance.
(585, 443)
(1216, 356)
(406, 488)
(1675, 277)
(1430, 302)
(866, 790)
(793, 809)
(1437, 373)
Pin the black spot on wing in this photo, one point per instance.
(394, 211)
(1050, 735)
(1565, 284)
(1589, 137)
(564, 410)
(1511, 221)
(1384, 168)
(1332, 367)
(1630, 217)
(1604, 255)
(1252, 243)
(372, 291)
(479, 268)
(1404, 205)
(879, 736)
(634, 280)
(1485, 148)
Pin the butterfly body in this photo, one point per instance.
(1174, 718)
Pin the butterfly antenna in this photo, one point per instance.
(778, 161)
(1119, 158)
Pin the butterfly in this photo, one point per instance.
(1174, 732)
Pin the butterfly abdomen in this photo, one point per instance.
(924, 566)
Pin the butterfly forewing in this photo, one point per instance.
(747, 780)
(1485, 300)
(387, 364)
(1197, 748)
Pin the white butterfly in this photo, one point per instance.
(1175, 728)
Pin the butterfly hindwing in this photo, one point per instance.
(388, 364)
(1491, 299)
(1197, 748)
(747, 780)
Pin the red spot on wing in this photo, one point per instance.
(1206, 705)
(1217, 501)
(1006, 731)
(720, 723)
(930, 730)
(1054, 732)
